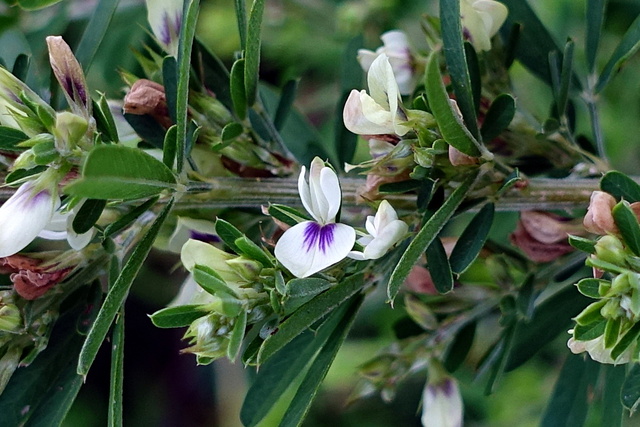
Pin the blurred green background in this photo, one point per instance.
(305, 39)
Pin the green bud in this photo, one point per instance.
(10, 318)
(610, 249)
(620, 285)
(45, 152)
(611, 309)
(246, 268)
(69, 131)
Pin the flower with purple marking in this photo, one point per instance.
(25, 215)
(311, 246)
(70, 76)
(441, 400)
(165, 19)
(385, 230)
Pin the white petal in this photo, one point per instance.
(165, 19)
(79, 241)
(382, 83)
(442, 405)
(303, 190)
(377, 120)
(366, 58)
(332, 194)
(391, 234)
(201, 253)
(370, 225)
(385, 215)
(309, 247)
(493, 15)
(23, 216)
(185, 229)
(357, 255)
(319, 202)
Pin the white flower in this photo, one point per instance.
(24, 216)
(379, 113)
(597, 351)
(165, 19)
(191, 228)
(481, 20)
(60, 227)
(396, 47)
(385, 230)
(311, 246)
(442, 404)
(231, 268)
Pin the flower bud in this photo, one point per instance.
(10, 318)
(70, 76)
(69, 132)
(610, 249)
(599, 219)
(441, 400)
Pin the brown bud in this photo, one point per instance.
(536, 250)
(546, 227)
(148, 97)
(599, 219)
(458, 158)
(30, 280)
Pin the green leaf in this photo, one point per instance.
(454, 53)
(425, 236)
(252, 52)
(278, 373)
(551, 318)
(117, 294)
(472, 239)
(570, 400)
(612, 332)
(170, 83)
(590, 287)
(147, 128)
(627, 222)
(185, 44)
(19, 174)
(591, 331)
(170, 146)
(127, 219)
(310, 313)
(36, 4)
(117, 372)
(561, 77)
(499, 357)
(534, 40)
(215, 75)
(582, 244)
(238, 92)
(177, 317)
(595, 17)
(88, 214)
(628, 339)
(305, 394)
(253, 251)
(237, 335)
(301, 291)
(614, 378)
(498, 117)
(104, 120)
(628, 46)
(211, 281)
(451, 127)
(631, 389)
(228, 234)
(287, 97)
(241, 17)
(10, 138)
(119, 172)
(21, 66)
(400, 187)
(289, 216)
(231, 131)
(94, 32)
(439, 267)
(459, 348)
(620, 186)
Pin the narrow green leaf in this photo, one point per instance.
(169, 147)
(628, 46)
(252, 52)
(614, 378)
(499, 116)
(253, 251)
(590, 287)
(127, 219)
(307, 286)
(472, 239)
(117, 372)
(117, 294)
(454, 53)
(238, 92)
(231, 131)
(21, 66)
(631, 389)
(627, 340)
(308, 314)
(500, 358)
(582, 244)
(627, 222)
(177, 317)
(185, 44)
(561, 77)
(228, 234)
(620, 186)
(308, 389)
(10, 138)
(475, 75)
(19, 174)
(241, 17)
(94, 32)
(36, 4)
(287, 97)
(569, 402)
(590, 331)
(425, 236)
(451, 126)
(612, 332)
(119, 172)
(289, 216)
(215, 75)
(237, 335)
(439, 267)
(88, 214)
(147, 128)
(526, 297)
(400, 187)
(278, 373)
(459, 348)
(104, 120)
(211, 281)
(170, 83)
(595, 17)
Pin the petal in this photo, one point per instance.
(377, 120)
(24, 216)
(370, 225)
(303, 190)
(309, 247)
(331, 192)
(385, 215)
(395, 43)
(382, 83)
(319, 202)
(69, 74)
(195, 252)
(442, 405)
(391, 234)
(165, 19)
(191, 228)
(357, 255)
(493, 14)
(366, 58)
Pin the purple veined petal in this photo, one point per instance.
(69, 74)
(442, 404)
(165, 19)
(24, 216)
(309, 247)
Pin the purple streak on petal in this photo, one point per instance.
(37, 198)
(447, 387)
(75, 89)
(204, 237)
(320, 236)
